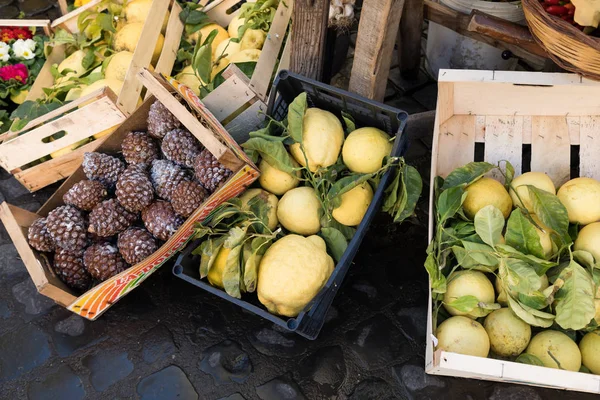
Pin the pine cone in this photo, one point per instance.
(160, 120)
(69, 269)
(166, 175)
(160, 219)
(136, 244)
(139, 148)
(134, 189)
(85, 195)
(38, 236)
(209, 171)
(102, 167)
(187, 197)
(181, 147)
(109, 218)
(67, 228)
(103, 261)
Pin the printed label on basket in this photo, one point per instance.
(97, 300)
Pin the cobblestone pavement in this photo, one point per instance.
(170, 340)
(39, 9)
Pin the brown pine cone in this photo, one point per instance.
(69, 269)
(181, 147)
(136, 244)
(103, 261)
(85, 195)
(38, 236)
(66, 225)
(102, 167)
(139, 148)
(187, 197)
(166, 175)
(209, 171)
(161, 121)
(134, 189)
(109, 218)
(161, 220)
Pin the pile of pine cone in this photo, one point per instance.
(125, 209)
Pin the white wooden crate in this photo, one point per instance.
(504, 111)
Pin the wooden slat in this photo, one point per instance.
(64, 7)
(550, 141)
(229, 97)
(573, 124)
(172, 38)
(45, 78)
(457, 139)
(28, 23)
(308, 37)
(589, 147)
(504, 141)
(249, 120)
(263, 73)
(69, 21)
(445, 101)
(377, 33)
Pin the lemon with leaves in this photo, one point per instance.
(365, 149)
(354, 205)
(234, 26)
(292, 272)
(485, 192)
(203, 33)
(215, 274)
(554, 348)
(520, 185)
(268, 198)
(189, 78)
(468, 283)
(277, 181)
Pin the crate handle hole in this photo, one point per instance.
(292, 324)
(178, 270)
(54, 136)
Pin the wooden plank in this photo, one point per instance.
(377, 32)
(69, 21)
(229, 97)
(503, 141)
(263, 73)
(286, 57)
(550, 141)
(457, 138)
(308, 37)
(409, 38)
(45, 78)
(589, 147)
(445, 101)
(64, 7)
(173, 34)
(249, 120)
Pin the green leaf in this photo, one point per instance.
(202, 59)
(105, 21)
(449, 202)
(509, 175)
(584, 369)
(522, 235)
(539, 265)
(528, 316)
(336, 242)
(575, 299)
(393, 196)
(467, 174)
(272, 152)
(481, 253)
(251, 271)
(489, 223)
(412, 187)
(536, 300)
(296, 112)
(464, 304)
(585, 258)
(232, 272)
(520, 276)
(466, 261)
(529, 359)
(551, 211)
(344, 185)
(210, 249)
(348, 122)
(436, 278)
(89, 59)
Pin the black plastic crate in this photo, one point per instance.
(366, 113)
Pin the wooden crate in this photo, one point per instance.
(28, 23)
(504, 111)
(99, 110)
(239, 101)
(210, 133)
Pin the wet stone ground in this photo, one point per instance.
(170, 340)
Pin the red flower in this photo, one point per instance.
(14, 33)
(18, 72)
(22, 33)
(6, 35)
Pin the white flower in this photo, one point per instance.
(4, 50)
(23, 50)
(30, 43)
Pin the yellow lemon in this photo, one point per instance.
(509, 335)
(468, 283)
(581, 198)
(590, 351)
(253, 39)
(354, 206)
(463, 336)
(205, 31)
(269, 198)
(537, 179)
(189, 78)
(485, 192)
(20, 97)
(275, 180)
(550, 345)
(248, 55)
(118, 65)
(215, 275)
(130, 35)
(299, 211)
(137, 11)
(234, 25)
(365, 149)
(227, 48)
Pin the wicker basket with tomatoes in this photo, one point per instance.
(568, 31)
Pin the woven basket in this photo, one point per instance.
(566, 45)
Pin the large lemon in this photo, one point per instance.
(118, 65)
(581, 198)
(215, 274)
(299, 210)
(73, 63)
(189, 78)
(550, 345)
(597, 303)
(275, 180)
(468, 283)
(74, 93)
(462, 335)
(205, 31)
(253, 39)
(292, 272)
(269, 198)
(322, 138)
(248, 55)
(509, 335)
(588, 240)
(365, 149)
(590, 351)
(234, 26)
(354, 206)
(226, 48)
(537, 179)
(129, 36)
(485, 192)
(137, 11)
